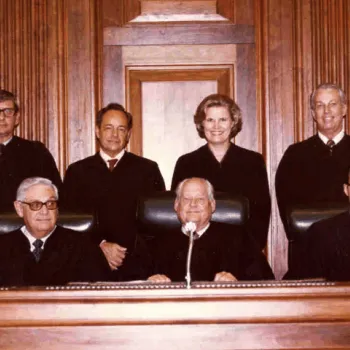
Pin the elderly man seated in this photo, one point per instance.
(40, 252)
(221, 252)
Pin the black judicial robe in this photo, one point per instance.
(90, 187)
(309, 173)
(326, 250)
(22, 159)
(241, 172)
(68, 256)
(222, 247)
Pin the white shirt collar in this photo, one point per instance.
(106, 157)
(32, 239)
(7, 141)
(336, 139)
(200, 232)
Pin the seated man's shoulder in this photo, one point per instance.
(68, 233)
(10, 236)
(227, 230)
(71, 238)
(340, 221)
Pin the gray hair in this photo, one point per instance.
(32, 181)
(341, 92)
(9, 96)
(210, 188)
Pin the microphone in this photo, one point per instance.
(190, 228)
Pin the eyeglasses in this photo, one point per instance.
(37, 205)
(8, 112)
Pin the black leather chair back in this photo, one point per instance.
(300, 218)
(78, 222)
(157, 210)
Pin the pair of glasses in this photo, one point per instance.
(37, 205)
(8, 112)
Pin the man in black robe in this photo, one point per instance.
(108, 185)
(313, 171)
(221, 252)
(42, 253)
(19, 158)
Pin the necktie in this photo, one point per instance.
(112, 163)
(330, 144)
(2, 148)
(195, 235)
(38, 243)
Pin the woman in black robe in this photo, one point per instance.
(228, 167)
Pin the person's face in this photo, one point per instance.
(328, 112)
(39, 223)
(194, 204)
(217, 125)
(7, 123)
(113, 133)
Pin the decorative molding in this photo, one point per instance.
(173, 34)
(155, 11)
(135, 78)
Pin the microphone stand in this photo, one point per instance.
(189, 256)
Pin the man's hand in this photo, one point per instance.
(224, 276)
(114, 254)
(159, 279)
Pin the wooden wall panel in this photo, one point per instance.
(49, 58)
(23, 65)
(330, 21)
(301, 43)
(51, 55)
(277, 78)
(82, 77)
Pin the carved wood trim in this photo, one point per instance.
(135, 78)
(155, 11)
(174, 34)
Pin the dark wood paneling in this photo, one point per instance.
(49, 56)
(300, 44)
(82, 77)
(252, 135)
(276, 76)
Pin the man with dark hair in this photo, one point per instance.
(326, 248)
(19, 158)
(108, 185)
(42, 253)
(313, 171)
(221, 252)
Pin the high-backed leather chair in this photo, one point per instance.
(156, 213)
(300, 218)
(78, 222)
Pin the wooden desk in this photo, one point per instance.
(280, 315)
